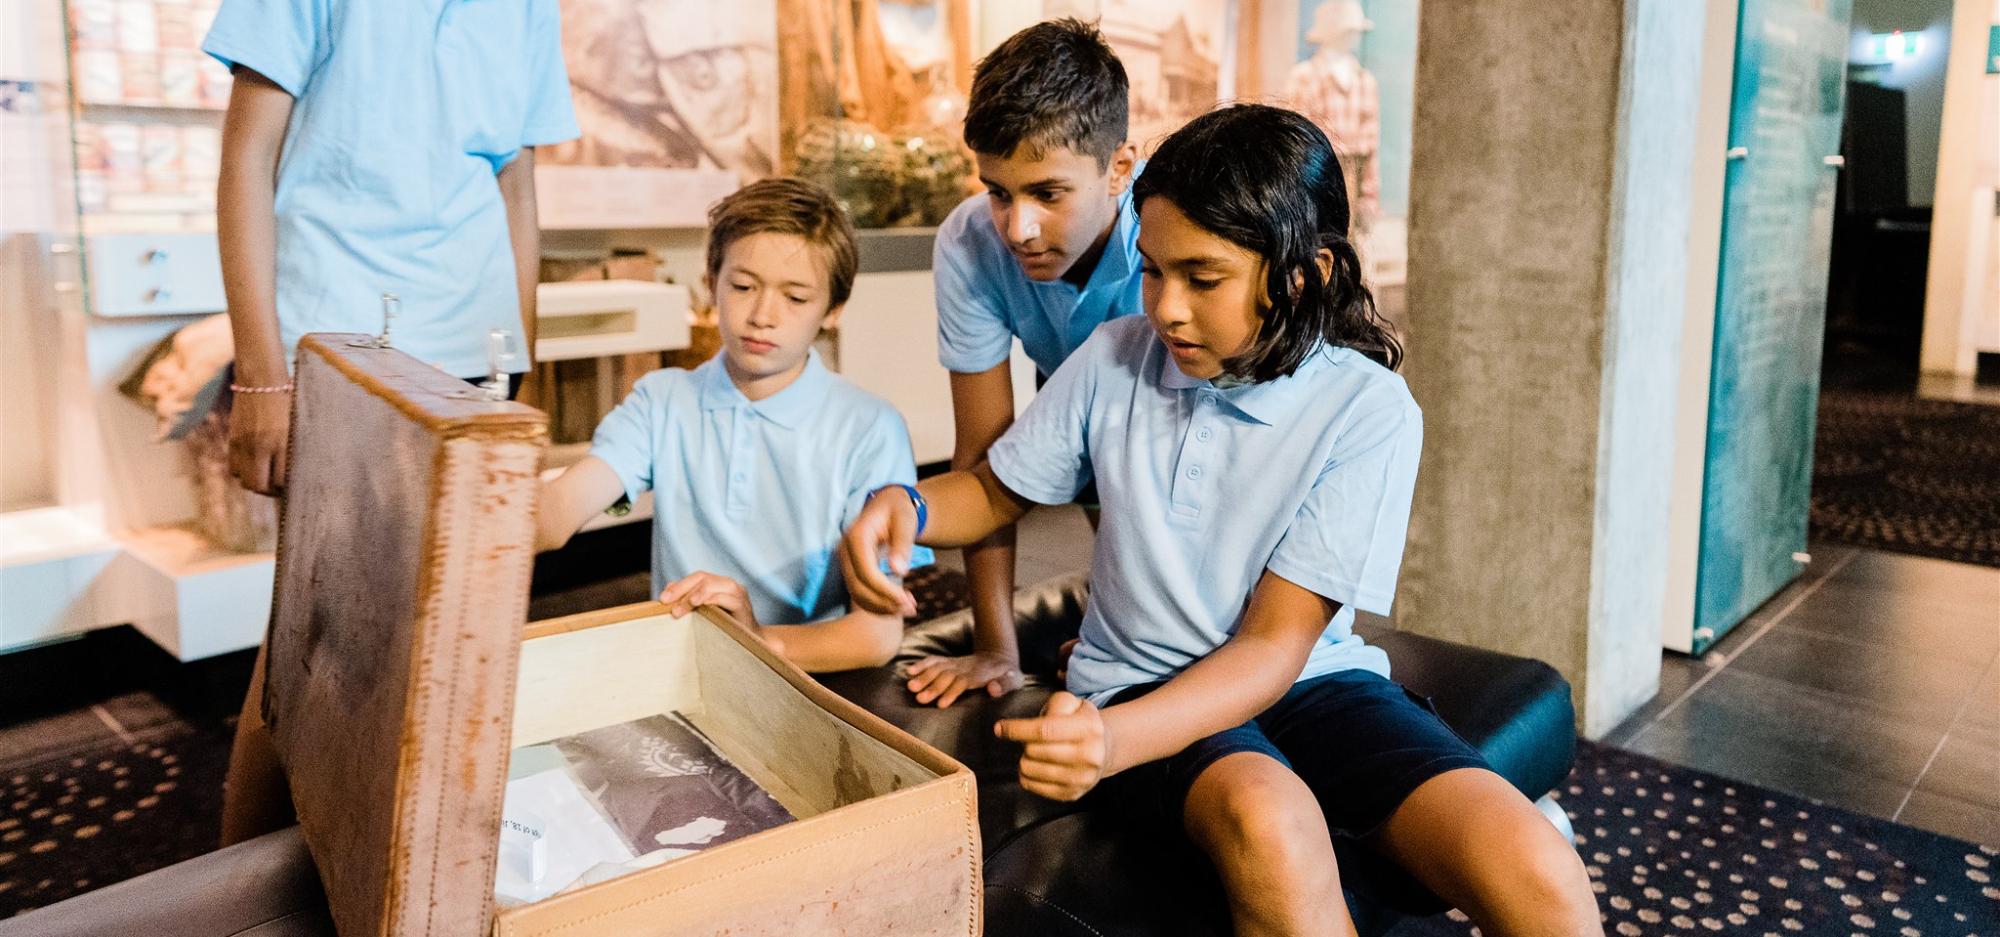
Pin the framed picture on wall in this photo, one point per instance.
(1179, 56)
(678, 103)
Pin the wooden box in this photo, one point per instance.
(400, 676)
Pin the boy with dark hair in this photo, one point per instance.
(1046, 255)
(759, 458)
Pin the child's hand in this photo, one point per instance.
(683, 597)
(1067, 748)
(945, 678)
(886, 526)
(1062, 658)
(259, 428)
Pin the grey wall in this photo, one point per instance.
(1549, 217)
(1921, 79)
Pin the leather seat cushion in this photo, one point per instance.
(265, 887)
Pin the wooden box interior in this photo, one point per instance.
(583, 673)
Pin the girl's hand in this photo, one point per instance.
(259, 433)
(944, 679)
(692, 592)
(1067, 748)
(886, 526)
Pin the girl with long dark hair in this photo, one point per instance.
(1255, 455)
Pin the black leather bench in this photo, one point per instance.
(1051, 868)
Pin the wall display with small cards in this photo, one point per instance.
(145, 53)
(149, 113)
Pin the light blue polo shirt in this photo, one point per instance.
(1203, 489)
(759, 492)
(404, 111)
(984, 301)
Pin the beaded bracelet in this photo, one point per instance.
(284, 388)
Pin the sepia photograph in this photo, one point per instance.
(664, 786)
(1177, 56)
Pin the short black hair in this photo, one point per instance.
(1055, 84)
(1266, 179)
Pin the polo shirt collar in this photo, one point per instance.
(1121, 252)
(1269, 402)
(789, 408)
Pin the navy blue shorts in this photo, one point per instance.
(1361, 742)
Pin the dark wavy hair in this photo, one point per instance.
(1266, 179)
(1054, 84)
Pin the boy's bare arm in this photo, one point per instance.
(856, 639)
(571, 499)
(1073, 745)
(253, 137)
(524, 234)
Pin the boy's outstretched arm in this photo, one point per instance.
(856, 639)
(571, 499)
(1072, 745)
(253, 136)
(963, 508)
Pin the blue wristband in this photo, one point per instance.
(923, 507)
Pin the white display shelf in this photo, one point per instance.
(49, 560)
(595, 318)
(191, 598)
(62, 574)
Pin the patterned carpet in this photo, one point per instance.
(1674, 851)
(89, 818)
(1895, 472)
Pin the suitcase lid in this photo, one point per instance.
(405, 547)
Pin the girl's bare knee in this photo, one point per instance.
(1257, 810)
(1547, 866)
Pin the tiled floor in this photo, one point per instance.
(1962, 388)
(1872, 683)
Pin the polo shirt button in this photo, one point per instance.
(1194, 471)
(1203, 435)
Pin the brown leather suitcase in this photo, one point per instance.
(396, 641)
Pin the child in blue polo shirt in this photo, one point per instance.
(372, 147)
(758, 458)
(1255, 459)
(1046, 256)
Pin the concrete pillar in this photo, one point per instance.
(1550, 198)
